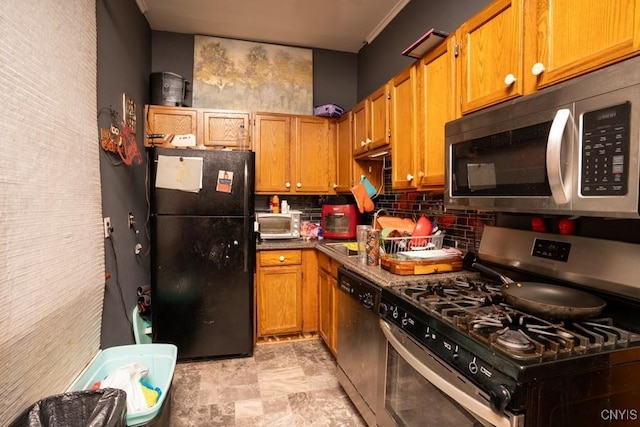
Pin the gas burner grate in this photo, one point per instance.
(451, 298)
(476, 307)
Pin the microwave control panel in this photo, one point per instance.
(605, 151)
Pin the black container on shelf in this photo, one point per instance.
(168, 89)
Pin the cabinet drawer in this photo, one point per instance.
(272, 258)
(334, 269)
(328, 264)
(324, 262)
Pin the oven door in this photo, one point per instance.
(421, 388)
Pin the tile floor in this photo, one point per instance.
(282, 384)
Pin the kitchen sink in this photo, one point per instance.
(347, 248)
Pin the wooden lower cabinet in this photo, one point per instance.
(328, 301)
(286, 292)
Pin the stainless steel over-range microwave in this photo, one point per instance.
(571, 149)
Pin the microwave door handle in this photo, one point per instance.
(559, 190)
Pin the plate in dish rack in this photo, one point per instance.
(427, 254)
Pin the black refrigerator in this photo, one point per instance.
(202, 251)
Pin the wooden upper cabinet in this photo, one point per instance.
(272, 144)
(379, 118)
(314, 167)
(294, 154)
(371, 123)
(225, 129)
(215, 129)
(491, 50)
(361, 136)
(344, 158)
(403, 125)
(571, 37)
(161, 119)
(436, 89)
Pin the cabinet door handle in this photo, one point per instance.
(299, 185)
(537, 69)
(335, 185)
(362, 143)
(509, 79)
(409, 177)
(287, 184)
(281, 258)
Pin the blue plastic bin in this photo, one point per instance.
(140, 327)
(160, 358)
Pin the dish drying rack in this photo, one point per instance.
(393, 245)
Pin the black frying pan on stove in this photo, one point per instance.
(546, 300)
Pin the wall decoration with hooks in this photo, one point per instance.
(119, 138)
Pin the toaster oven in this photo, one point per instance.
(278, 225)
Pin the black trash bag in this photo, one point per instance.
(89, 408)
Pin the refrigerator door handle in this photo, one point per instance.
(248, 192)
(248, 250)
(246, 256)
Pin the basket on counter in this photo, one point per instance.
(393, 245)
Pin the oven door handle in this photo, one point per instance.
(559, 189)
(472, 405)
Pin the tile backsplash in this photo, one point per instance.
(311, 206)
(463, 228)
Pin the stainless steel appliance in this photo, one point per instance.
(458, 354)
(570, 149)
(203, 255)
(360, 342)
(279, 225)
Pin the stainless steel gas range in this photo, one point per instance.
(459, 354)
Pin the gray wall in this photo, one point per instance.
(173, 52)
(334, 78)
(381, 60)
(334, 73)
(339, 77)
(124, 63)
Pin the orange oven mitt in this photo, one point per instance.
(362, 198)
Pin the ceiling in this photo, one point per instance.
(342, 25)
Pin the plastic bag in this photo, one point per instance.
(127, 378)
(99, 408)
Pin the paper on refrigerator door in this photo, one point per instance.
(179, 173)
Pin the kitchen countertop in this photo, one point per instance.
(283, 244)
(376, 274)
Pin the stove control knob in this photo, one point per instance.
(499, 398)
(473, 366)
(367, 300)
(383, 309)
(427, 333)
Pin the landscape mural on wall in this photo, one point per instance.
(239, 75)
